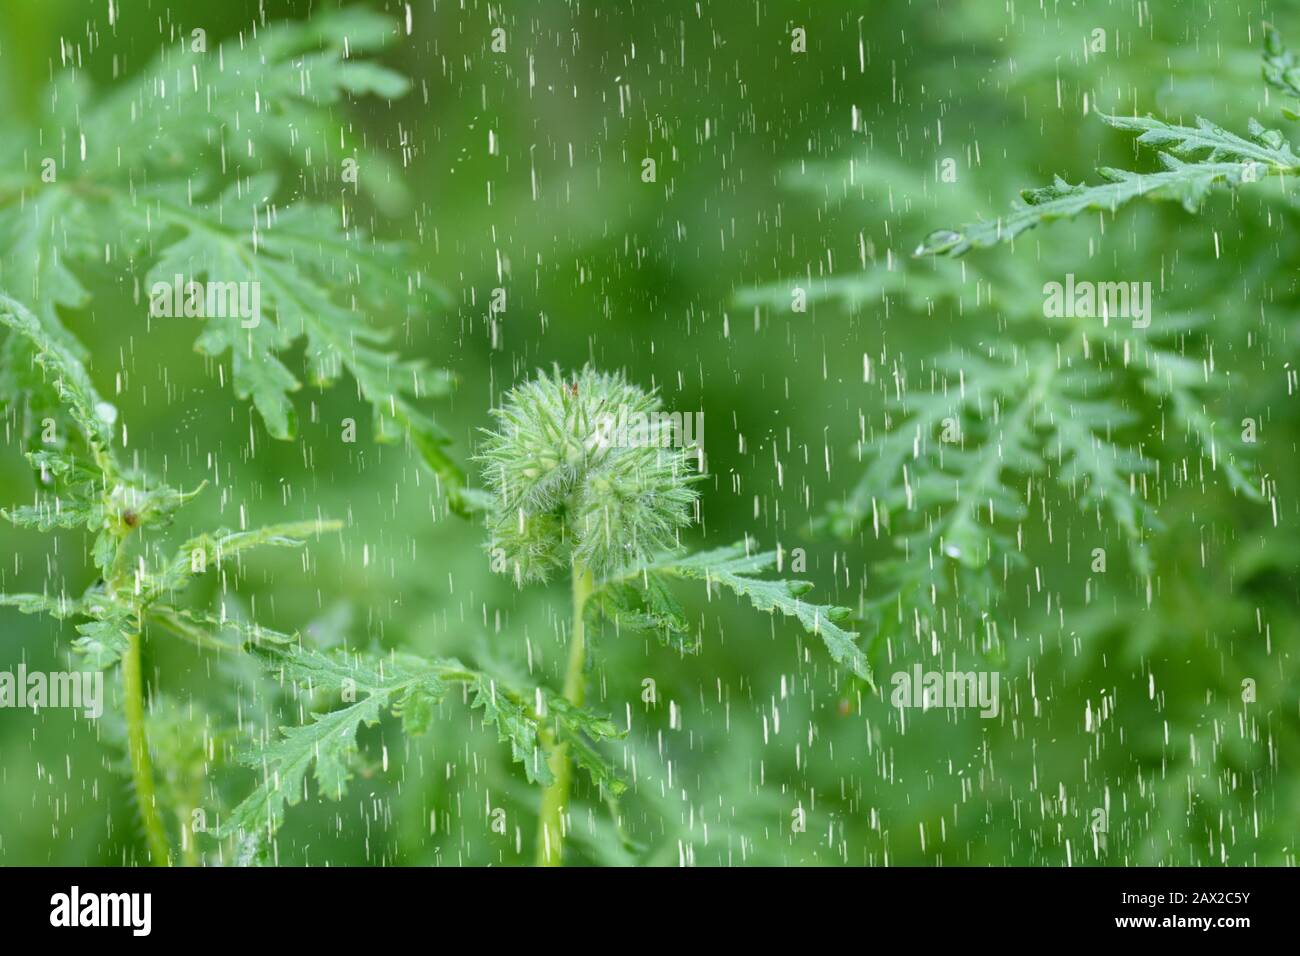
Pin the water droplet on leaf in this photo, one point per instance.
(939, 242)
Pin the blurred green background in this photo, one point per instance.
(522, 170)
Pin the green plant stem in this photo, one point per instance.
(555, 798)
(138, 749)
(189, 841)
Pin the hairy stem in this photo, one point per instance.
(555, 798)
(138, 749)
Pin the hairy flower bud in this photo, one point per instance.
(569, 488)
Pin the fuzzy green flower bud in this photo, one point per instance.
(569, 490)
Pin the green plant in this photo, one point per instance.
(83, 483)
(609, 516)
(568, 497)
(1092, 511)
(1194, 161)
(1135, 427)
(187, 195)
(1064, 390)
(1075, 404)
(192, 192)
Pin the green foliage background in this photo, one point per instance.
(1128, 698)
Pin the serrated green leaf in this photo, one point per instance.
(320, 279)
(297, 261)
(37, 239)
(1222, 159)
(53, 512)
(409, 687)
(209, 551)
(328, 740)
(64, 371)
(1215, 144)
(732, 567)
(60, 607)
(103, 642)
